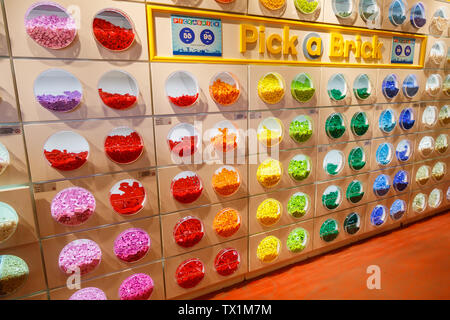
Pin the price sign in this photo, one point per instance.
(193, 36)
(10, 130)
(187, 35)
(402, 50)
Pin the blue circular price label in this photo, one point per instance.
(407, 50)
(398, 50)
(207, 36)
(187, 35)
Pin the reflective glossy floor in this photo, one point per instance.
(414, 263)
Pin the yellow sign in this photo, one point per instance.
(260, 40)
(367, 50)
(276, 43)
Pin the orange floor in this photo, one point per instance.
(414, 263)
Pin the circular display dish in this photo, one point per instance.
(355, 191)
(273, 4)
(66, 150)
(357, 158)
(439, 20)
(335, 125)
(307, 6)
(271, 88)
(227, 222)
(188, 231)
(270, 131)
(439, 170)
(401, 180)
(437, 52)
(406, 119)
(362, 87)
(297, 240)
(118, 90)
(13, 274)
(301, 128)
(446, 85)
(268, 249)
(269, 173)
(352, 223)
(138, 286)
(269, 212)
(387, 121)
(418, 16)
(58, 90)
(132, 245)
(381, 185)
(390, 86)
(226, 181)
(332, 197)
(224, 88)
(298, 204)
(378, 216)
(359, 123)
(82, 254)
(435, 198)
(50, 25)
(5, 159)
(433, 85)
(448, 55)
(419, 203)
(423, 174)
(343, 9)
(337, 87)
(302, 86)
(441, 144)
(426, 145)
(186, 187)
(190, 273)
(410, 86)
(8, 221)
(227, 261)
(89, 293)
(224, 136)
(113, 29)
(299, 167)
(369, 10)
(127, 197)
(397, 12)
(72, 206)
(124, 145)
(403, 151)
(384, 154)
(398, 209)
(182, 89)
(329, 230)
(183, 140)
(430, 116)
(333, 162)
